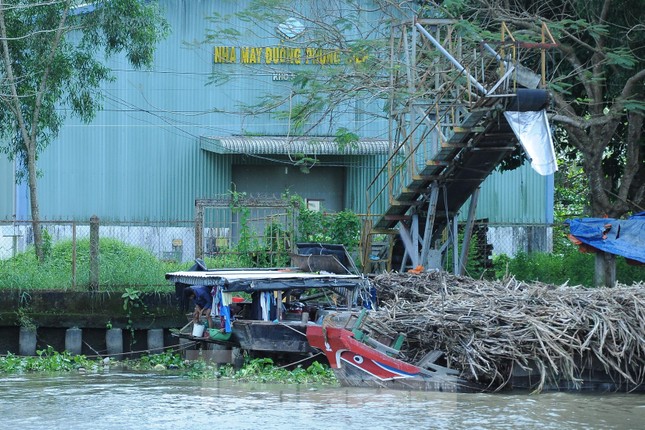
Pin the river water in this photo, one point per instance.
(157, 401)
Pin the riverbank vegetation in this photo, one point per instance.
(66, 263)
(46, 360)
(121, 265)
(254, 370)
(125, 266)
(570, 267)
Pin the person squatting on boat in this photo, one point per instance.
(201, 296)
(211, 303)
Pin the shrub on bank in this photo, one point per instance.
(124, 266)
(571, 267)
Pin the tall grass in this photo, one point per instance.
(125, 266)
(120, 266)
(571, 267)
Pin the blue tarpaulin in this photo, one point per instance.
(620, 237)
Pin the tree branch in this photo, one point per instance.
(629, 88)
(43, 83)
(14, 103)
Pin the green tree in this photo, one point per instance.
(597, 80)
(52, 63)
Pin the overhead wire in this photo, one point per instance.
(178, 128)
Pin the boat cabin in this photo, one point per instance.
(268, 310)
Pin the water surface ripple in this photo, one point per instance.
(154, 401)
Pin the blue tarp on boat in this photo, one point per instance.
(619, 237)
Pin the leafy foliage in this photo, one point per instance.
(263, 370)
(46, 360)
(571, 193)
(341, 227)
(273, 247)
(67, 72)
(167, 359)
(277, 239)
(596, 74)
(133, 302)
(345, 139)
(50, 68)
(256, 370)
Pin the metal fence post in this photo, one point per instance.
(74, 255)
(199, 229)
(94, 253)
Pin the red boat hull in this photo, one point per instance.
(356, 364)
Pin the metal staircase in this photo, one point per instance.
(448, 133)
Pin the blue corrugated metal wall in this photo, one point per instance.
(520, 196)
(140, 158)
(6, 187)
(359, 179)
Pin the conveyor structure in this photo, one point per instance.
(449, 132)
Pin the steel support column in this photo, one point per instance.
(455, 245)
(410, 243)
(427, 235)
(468, 231)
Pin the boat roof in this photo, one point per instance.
(249, 280)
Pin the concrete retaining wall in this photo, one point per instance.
(34, 320)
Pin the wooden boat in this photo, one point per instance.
(296, 297)
(370, 363)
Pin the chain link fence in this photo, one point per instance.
(171, 241)
(226, 232)
(132, 254)
(138, 254)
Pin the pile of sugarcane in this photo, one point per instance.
(486, 328)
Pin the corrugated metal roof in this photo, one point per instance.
(290, 145)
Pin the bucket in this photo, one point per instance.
(198, 330)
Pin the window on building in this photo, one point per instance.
(314, 205)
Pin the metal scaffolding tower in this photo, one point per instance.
(448, 132)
